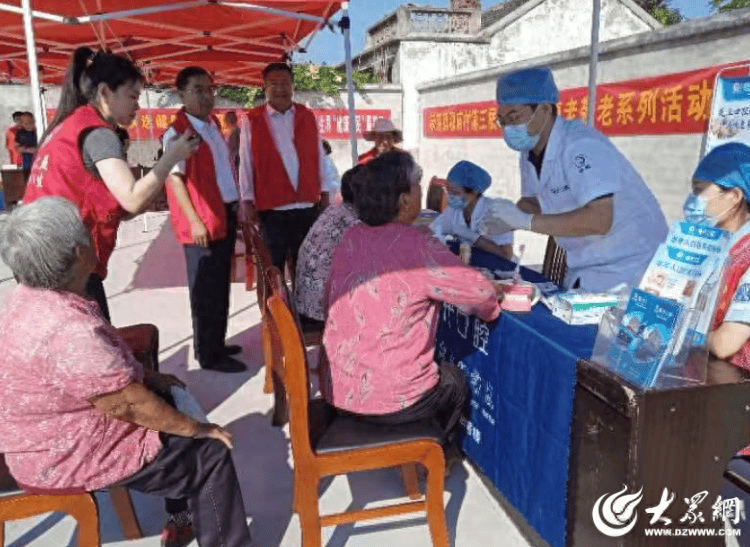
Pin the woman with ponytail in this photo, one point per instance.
(81, 157)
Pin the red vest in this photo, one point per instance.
(270, 180)
(58, 170)
(10, 144)
(201, 185)
(371, 154)
(739, 263)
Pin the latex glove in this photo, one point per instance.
(464, 233)
(503, 217)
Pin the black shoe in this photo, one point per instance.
(225, 364)
(232, 349)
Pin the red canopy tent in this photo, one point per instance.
(233, 39)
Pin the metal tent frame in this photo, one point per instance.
(162, 45)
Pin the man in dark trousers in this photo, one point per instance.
(282, 161)
(203, 202)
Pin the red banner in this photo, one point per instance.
(662, 105)
(333, 123)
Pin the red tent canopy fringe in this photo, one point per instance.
(232, 39)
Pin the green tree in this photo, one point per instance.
(727, 5)
(307, 77)
(661, 11)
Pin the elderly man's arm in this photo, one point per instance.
(138, 405)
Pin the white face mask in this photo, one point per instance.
(517, 136)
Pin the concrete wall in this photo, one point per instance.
(551, 26)
(14, 97)
(665, 162)
(17, 97)
(385, 96)
(422, 61)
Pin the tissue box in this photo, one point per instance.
(579, 308)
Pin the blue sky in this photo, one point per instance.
(328, 47)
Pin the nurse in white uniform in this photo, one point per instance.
(468, 208)
(576, 186)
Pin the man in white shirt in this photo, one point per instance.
(282, 162)
(203, 200)
(576, 186)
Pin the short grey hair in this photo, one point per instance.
(39, 240)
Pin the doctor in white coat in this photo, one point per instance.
(576, 186)
(468, 208)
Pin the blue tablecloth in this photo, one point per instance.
(521, 369)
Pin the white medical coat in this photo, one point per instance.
(580, 165)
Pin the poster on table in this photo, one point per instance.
(671, 310)
(730, 115)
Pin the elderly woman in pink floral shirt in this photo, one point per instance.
(77, 411)
(386, 284)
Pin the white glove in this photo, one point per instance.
(464, 233)
(503, 217)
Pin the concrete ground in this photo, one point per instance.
(147, 283)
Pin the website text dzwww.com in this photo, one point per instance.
(691, 532)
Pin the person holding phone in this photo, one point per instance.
(81, 157)
(204, 195)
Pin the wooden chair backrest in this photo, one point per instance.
(555, 262)
(437, 200)
(288, 359)
(253, 235)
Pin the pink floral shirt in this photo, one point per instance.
(57, 352)
(383, 296)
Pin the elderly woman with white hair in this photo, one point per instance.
(77, 411)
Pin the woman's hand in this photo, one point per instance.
(213, 431)
(182, 147)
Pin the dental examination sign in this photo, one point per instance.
(669, 104)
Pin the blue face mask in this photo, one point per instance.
(456, 202)
(517, 136)
(694, 211)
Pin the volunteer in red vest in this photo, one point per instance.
(720, 197)
(385, 135)
(203, 203)
(10, 139)
(81, 157)
(282, 163)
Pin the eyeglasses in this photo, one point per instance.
(202, 90)
(514, 117)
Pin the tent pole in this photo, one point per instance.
(36, 93)
(345, 24)
(594, 61)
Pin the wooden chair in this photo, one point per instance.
(325, 445)
(437, 200)
(81, 507)
(261, 259)
(555, 265)
(143, 340)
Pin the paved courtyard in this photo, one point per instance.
(147, 283)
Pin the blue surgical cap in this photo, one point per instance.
(470, 175)
(727, 166)
(527, 86)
